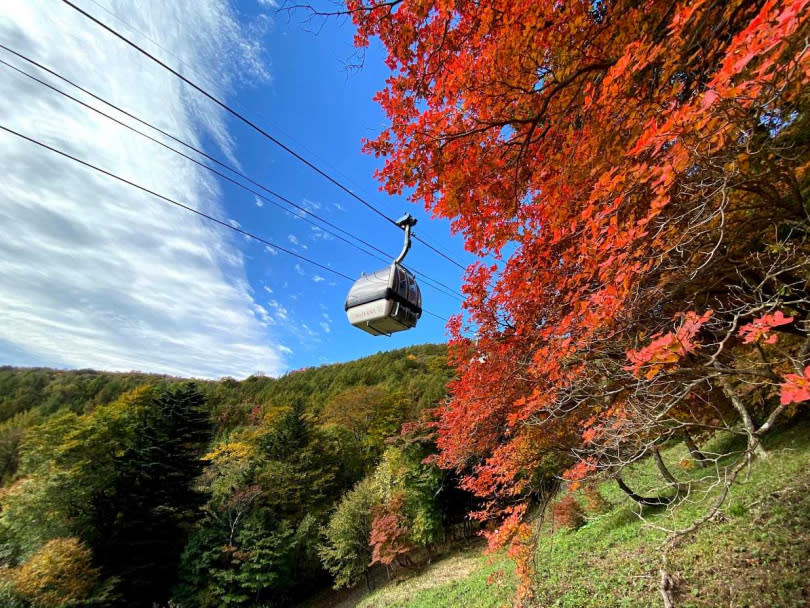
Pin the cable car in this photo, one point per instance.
(387, 300)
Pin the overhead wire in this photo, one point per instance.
(178, 152)
(190, 69)
(235, 113)
(146, 36)
(185, 207)
(429, 281)
(174, 202)
(169, 135)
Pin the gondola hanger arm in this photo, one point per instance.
(406, 222)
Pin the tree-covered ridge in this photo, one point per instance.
(49, 390)
(46, 390)
(419, 372)
(28, 395)
(129, 489)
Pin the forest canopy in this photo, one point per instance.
(132, 489)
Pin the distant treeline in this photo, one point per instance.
(130, 489)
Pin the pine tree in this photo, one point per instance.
(143, 521)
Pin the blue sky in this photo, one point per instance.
(93, 274)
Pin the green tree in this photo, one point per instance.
(346, 552)
(403, 478)
(269, 485)
(60, 573)
(65, 463)
(141, 521)
(11, 435)
(370, 414)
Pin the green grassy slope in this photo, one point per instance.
(756, 553)
(466, 579)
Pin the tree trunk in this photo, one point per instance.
(694, 450)
(662, 467)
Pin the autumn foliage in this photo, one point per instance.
(389, 534)
(568, 512)
(638, 172)
(60, 573)
(595, 503)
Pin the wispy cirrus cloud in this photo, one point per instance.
(92, 272)
(294, 240)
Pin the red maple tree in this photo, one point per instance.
(630, 166)
(389, 533)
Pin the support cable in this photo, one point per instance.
(174, 202)
(431, 282)
(250, 123)
(183, 206)
(193, 160)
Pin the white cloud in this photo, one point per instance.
(317, 278)
(309, 331)
(259, 202)
(319, 233)
(295, 241)
(268, 290)
(339, 207)
(311, 206)
(271, 250)
(96, 274)
(263, 315)
(268, 3)
(325, 327)
(279, 312)
(299, 270)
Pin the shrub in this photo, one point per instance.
(568, 512)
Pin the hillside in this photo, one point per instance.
(129, 489)
(755, 553)
(280, 484)
(48, 390)
(28, 395)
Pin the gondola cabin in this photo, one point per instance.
(385, 301)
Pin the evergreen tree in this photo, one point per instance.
(143, 521)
